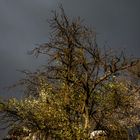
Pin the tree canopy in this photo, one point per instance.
(82, 88)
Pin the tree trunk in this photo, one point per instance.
(86, 116)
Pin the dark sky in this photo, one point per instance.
(23, 24)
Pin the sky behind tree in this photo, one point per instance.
(23, 24)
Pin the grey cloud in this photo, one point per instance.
(23, 24)
(115, 21)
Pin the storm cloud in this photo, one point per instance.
(23, 24)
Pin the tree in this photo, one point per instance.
(79, 90)
(135, 73)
